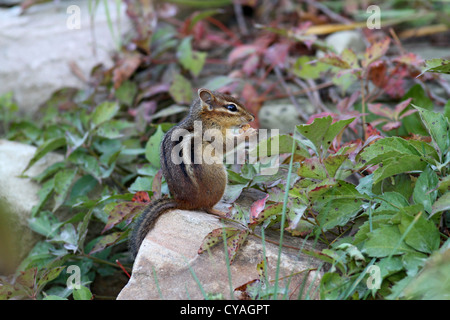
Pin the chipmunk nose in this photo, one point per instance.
(251, 118)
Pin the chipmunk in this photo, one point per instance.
(193, 185)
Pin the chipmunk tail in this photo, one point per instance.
(146, 221)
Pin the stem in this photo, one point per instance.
(98, 260)
(363, 109)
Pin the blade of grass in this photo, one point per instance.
(157, 283)
(283, 217)
(352, 288)
(196, 279)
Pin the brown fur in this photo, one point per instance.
(193, 186)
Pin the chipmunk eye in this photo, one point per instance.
(231, 107)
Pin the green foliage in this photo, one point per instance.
(379, 205)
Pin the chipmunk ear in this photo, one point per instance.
(206, 97)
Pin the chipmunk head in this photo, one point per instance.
(222, 110)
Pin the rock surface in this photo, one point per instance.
(282, 114)
(348, 39)
(169, 259)
(37, 48)
(17, 197)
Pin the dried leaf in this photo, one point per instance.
(106, 241)
(215, 237)
(375, 52)
(234, 242)
(141, 197)
(121, 212)
(125, 68)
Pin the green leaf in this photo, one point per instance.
(422, 236)
(303, 68)
(425, 190)
(394, 155)
(126, 92)
(315, 169)
(44, 194)
(322, 132)
(391, 201)
(398, 164)
(332, 286)
(46, 224)
(438, 127)
(67, 236)
(181, 89)
(384, 240)
(54, 297)
(152, 149)
(268, 214)
(412, 123)
(336, 204)
(437, 65)
(433, 282)
(88, 162)
(49, 275)
(45, 148)
(82, 294)
(104, 112)
(190, 59)
(441, 204)
(63, 181)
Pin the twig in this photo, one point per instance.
(363, 108)
(397, 41)
(316, 96)
(288, 91)
(123, 268)
(240, 17)
(332, 15)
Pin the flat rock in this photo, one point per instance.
(17, 197)
(168, 260)
(37, 48)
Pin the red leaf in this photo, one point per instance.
(251, 64)
(241, 52)
(371, 131)
(375, 51)
(410, 59)
(277, 54)
(401, 106)
(141, 197)
(125, 68)
(391, 126)
(381, 110)
(377, 73)
(257, 207)
(156, 185)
